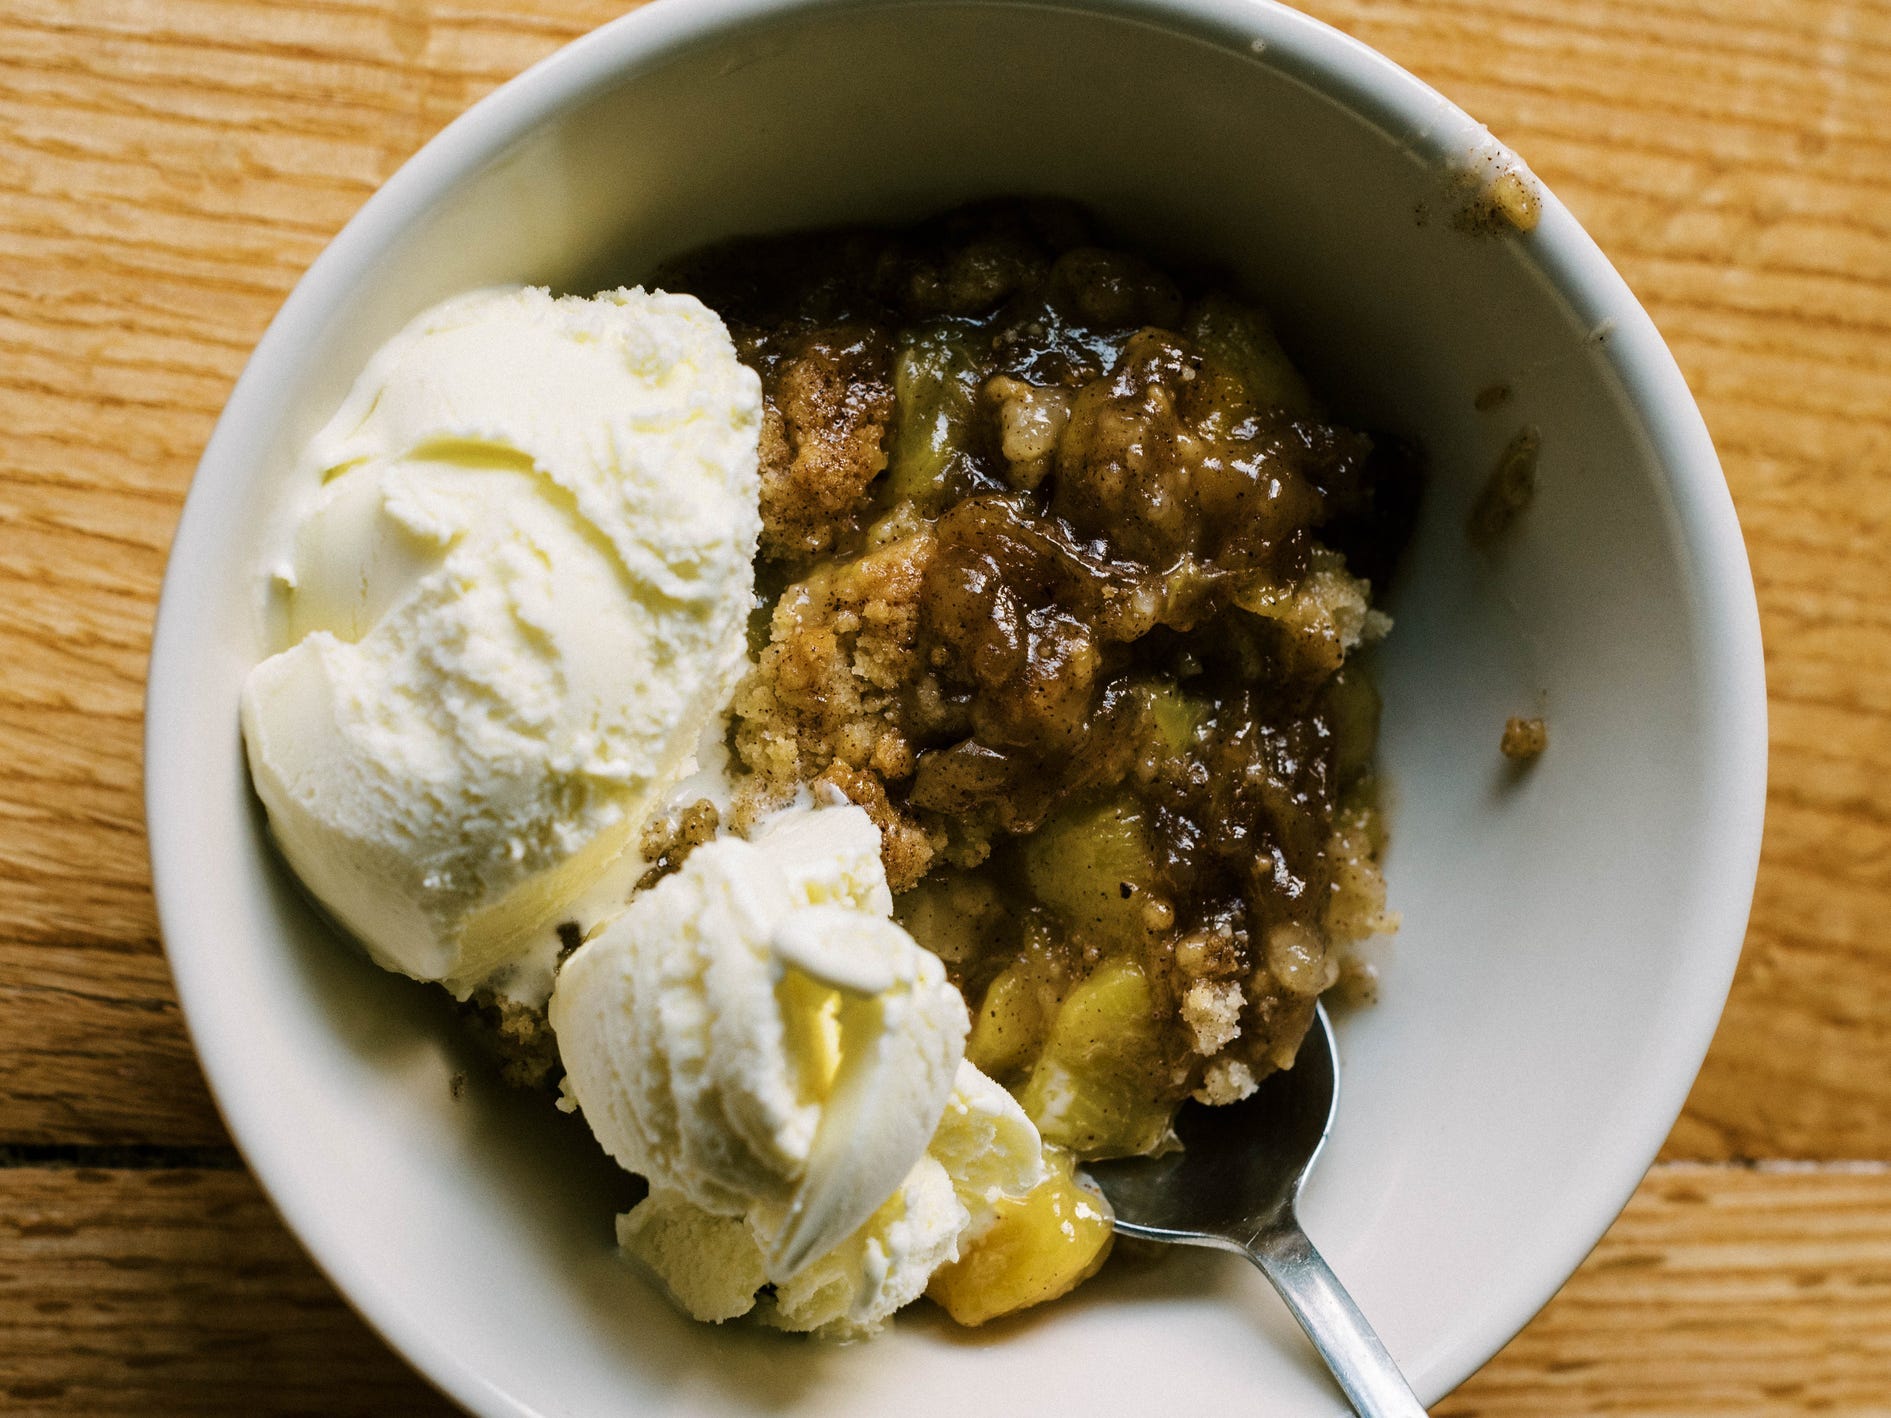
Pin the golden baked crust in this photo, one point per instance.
(825, 414)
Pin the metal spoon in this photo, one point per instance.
(1233, 1188)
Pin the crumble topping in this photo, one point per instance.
(518, 1035)
(1066, 570)
(669, 839)
(823, 434)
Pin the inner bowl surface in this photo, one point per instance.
(1569, 933)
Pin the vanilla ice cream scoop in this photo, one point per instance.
(983, 1151)
(759, 1040)
(514, 604)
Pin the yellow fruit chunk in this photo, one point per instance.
(1012, 1019)
(1041, 1246)
(935, 391)
(1177, 715)
(1237, 344)
(1009, 1027)
(1351, 706)
(1093, 867)
(955, 916)
(1097, 1087)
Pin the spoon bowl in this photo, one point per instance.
(1239, 1165)
(1233, 1186)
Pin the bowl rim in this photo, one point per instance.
(1332, 64)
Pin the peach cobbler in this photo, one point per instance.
(1065, 565)
(872, 723)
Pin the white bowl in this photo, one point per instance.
(1569, 933)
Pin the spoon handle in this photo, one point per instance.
(1371, 1381)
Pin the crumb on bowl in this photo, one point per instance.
(1509, 490)
(1524, 739)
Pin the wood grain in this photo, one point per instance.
(1722, 1291)
(175, 1292)
(169, 167)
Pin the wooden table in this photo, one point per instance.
(169, 168)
